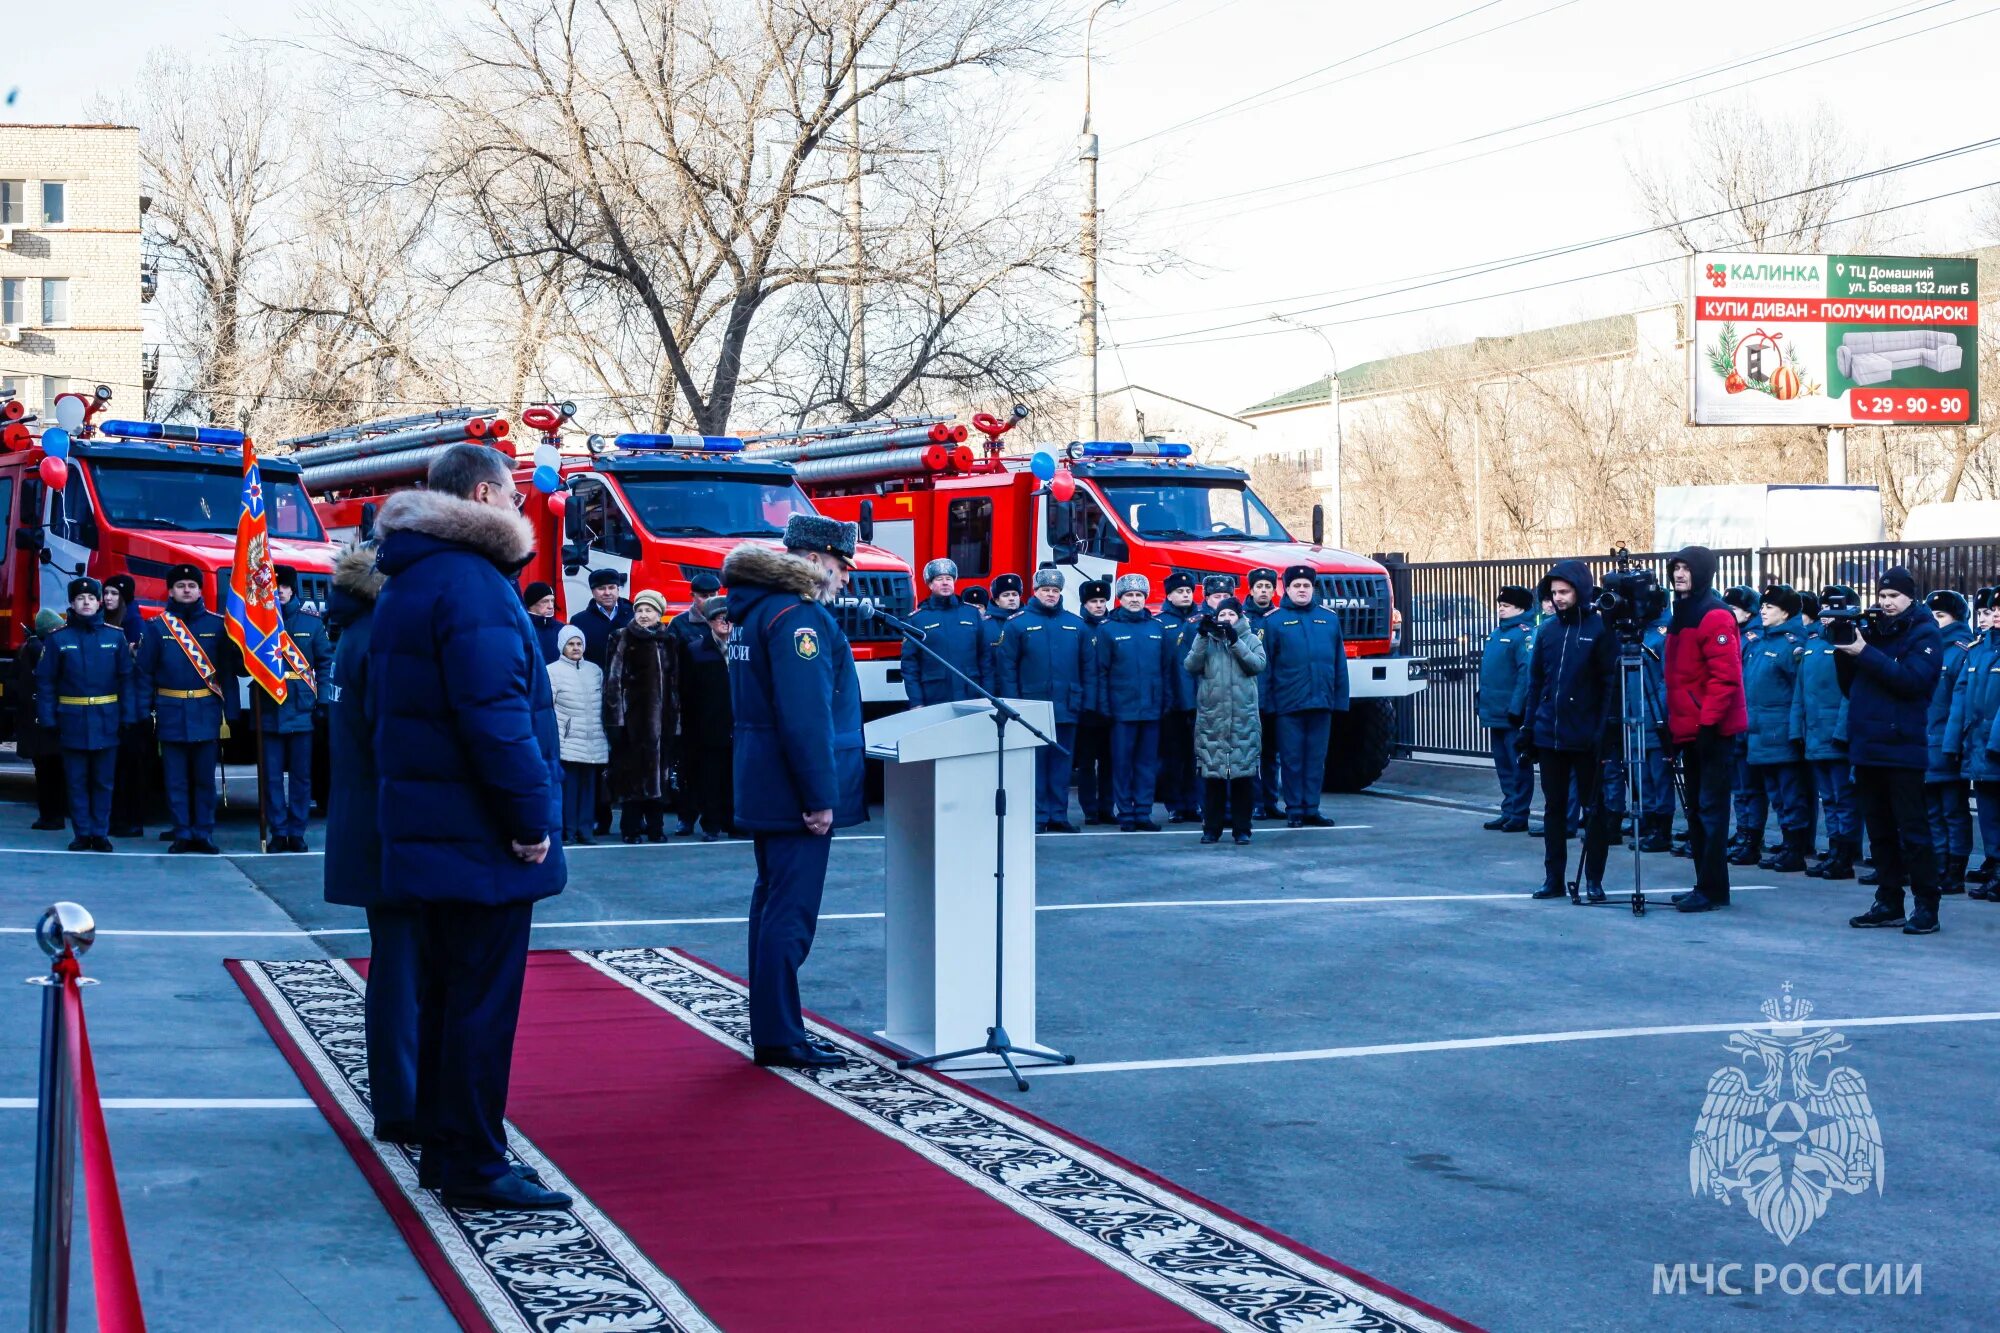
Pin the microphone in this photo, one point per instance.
(900, 626)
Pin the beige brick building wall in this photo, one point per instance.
(93, 251)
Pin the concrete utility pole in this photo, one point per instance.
(1332, 469)
(857, 305)
(1086, 156)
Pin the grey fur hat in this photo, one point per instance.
(813, 532)
(940, 568)
(1050, 577)
(1132, 583)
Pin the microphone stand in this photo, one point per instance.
(997, 1041)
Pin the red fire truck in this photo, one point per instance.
(659, 508)
(140, 497)
(1131, 508)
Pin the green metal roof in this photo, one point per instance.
(1565, 342)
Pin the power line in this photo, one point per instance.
(1536, 256)
(1214, 112)
(1560, 282)
(1584, 109)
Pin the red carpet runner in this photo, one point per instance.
(712, 1194)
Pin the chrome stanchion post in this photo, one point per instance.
(64, 932)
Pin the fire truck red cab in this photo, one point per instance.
(1147, 509)
(659, 509)
(139, 507)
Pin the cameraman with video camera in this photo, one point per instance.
(1888, 664)
(1705, 713)
(1571, 706)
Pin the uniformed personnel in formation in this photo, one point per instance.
(1134, 659)
(798, 759)
(1306, 661)
(1045, 653)
(84, 692)
(955, 631)
(1502, 703)
(1263, 601)
(187, 673)
(1094, 785)
(288, 726)
(1179, 786)
(1005, 605)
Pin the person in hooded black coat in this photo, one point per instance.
(689, 631)
(1572, 703)
(707, 724)
(642, 719)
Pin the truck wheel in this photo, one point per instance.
(1359, 749)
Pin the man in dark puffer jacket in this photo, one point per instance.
(1572, 700)
(471, 788)
(1890, 675)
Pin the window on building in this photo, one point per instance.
(968, 536)
(8, 384)
(51, 386)
(55, 300)
(54, 203)
(13, 293)
(13, 202)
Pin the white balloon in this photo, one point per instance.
(69, 413)
(548, 455)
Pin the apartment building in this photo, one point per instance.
(70, 281)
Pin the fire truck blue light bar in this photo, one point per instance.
(714, 444)
(1119, 449)
(170, 432)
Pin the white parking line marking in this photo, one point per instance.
(1481, 1043)
(1354, 900)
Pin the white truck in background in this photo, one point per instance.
(1759, 516)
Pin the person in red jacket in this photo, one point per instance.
(1704, 672)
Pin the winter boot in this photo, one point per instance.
(1798, 846)
(1839, 863)
(1952, 880)
(1749, 850)
(1656, 833)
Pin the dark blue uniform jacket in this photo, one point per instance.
(957, 633)
(1770, 677)
(1975, 705)
(1503, 672)
(353, 863)
(796, 697)
(86, 659)
(162, 666)
(1819, 708)
(1305, 658)
(1045, 653)
(1957, 646)
(1134, 655)
(460, 708)
(295, 714)
(1181, 684)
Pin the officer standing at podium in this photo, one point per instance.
(798, 759)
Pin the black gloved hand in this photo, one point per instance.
(1229, 632)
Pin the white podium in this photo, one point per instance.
(938, 782)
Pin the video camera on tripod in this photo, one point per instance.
(1630, 599)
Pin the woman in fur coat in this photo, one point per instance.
(579, 692)
(642, 718)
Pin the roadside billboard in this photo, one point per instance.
(1833, 340)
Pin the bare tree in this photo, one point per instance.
(682, 162)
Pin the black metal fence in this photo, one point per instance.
(1448, 611)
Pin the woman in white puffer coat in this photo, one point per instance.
(579, 690)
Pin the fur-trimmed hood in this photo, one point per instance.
(755, 566)
(354, 573)
(503, 537)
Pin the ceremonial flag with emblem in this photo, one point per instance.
(252, 610)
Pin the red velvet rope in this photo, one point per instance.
(110, 1252)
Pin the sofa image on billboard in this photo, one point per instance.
(1871, 358)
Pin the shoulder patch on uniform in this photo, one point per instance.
(805, 642)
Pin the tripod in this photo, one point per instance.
(997, 1041)
(1634, 719)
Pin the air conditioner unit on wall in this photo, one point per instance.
(10, 333)
(7, 234)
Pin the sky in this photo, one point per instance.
(1354, 84)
